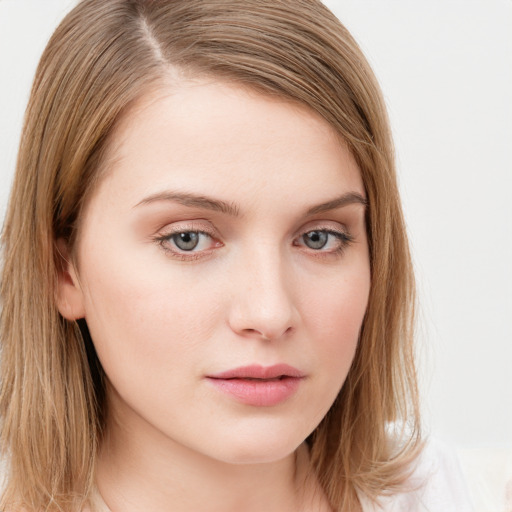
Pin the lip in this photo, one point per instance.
(260, 386)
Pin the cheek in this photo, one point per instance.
(339, 303)
(336, 313)
(147, 314)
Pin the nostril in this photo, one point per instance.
(257, 333)
(268, 335)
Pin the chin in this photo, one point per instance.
(261, 447)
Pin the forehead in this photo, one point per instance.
(221, 138)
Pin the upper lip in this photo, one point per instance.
(256, 371)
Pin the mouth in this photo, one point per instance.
(257, 385)
(254, 379)
(257, 372)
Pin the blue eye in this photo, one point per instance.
(316, 239)
(325, 240)
(186, 241)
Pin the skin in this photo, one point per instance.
(251, 292)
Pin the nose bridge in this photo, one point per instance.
(263, 303)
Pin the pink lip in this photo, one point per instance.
(256, 385)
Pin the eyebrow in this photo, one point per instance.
(338, 202)
(230, 208)
(194, 201)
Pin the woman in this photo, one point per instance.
(207, 296)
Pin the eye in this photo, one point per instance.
(187, 243)
(316, 239)
(325, 240)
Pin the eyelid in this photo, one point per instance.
(184, 226)
(344, 239)
(329, 226)
(163, 238)
(341, 233)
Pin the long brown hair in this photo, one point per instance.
(103, 57)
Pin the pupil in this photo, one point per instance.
(315, 239)
(186, 241)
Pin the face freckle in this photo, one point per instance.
(194, 262)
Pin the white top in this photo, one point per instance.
(437, 485)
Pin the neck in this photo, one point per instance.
(142, 469)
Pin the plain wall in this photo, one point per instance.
(446, 71)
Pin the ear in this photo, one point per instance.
(70, 300)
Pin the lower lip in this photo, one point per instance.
(260, 393)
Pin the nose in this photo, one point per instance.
(262, 304)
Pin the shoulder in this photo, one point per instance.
(435, 485)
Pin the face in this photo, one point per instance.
(223, 270)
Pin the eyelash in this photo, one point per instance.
(165, 239)
(344, 239)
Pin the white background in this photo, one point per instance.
(446, 71)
